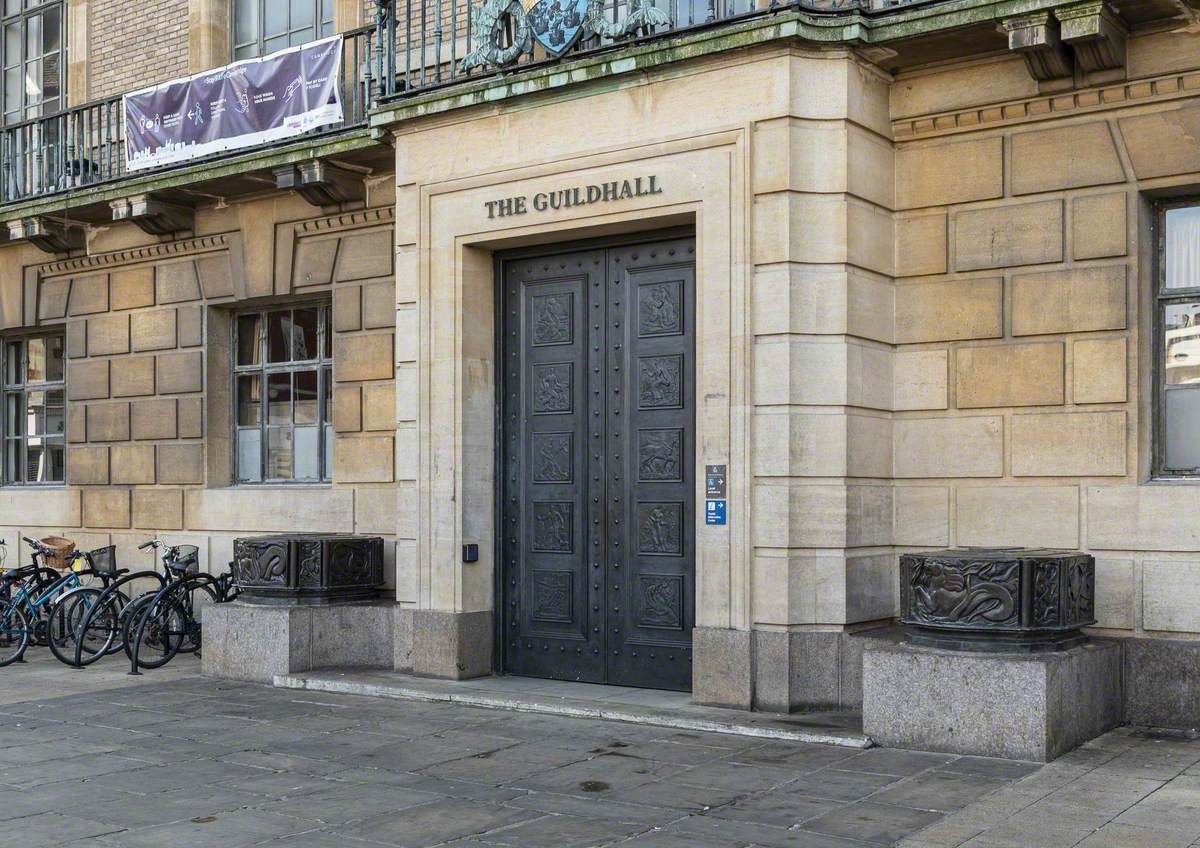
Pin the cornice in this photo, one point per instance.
(146, 253)
(1160, 89)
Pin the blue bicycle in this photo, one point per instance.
(29, 594)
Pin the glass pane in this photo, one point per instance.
(12, 90)
(51, 30)
(14, 423)
(12, 46)
(279, 398)
(245, 21)
(249, 451)
(54, 462)
(275, 21)
(249, 401)
(304, 334)
(12, 363)
(33, 81)
(279, 328)
(308, 453)
(328, 332)
(1181, 343)
(249, 331)
(302, 13)
(306, 397)
(301, 36)
(1183, 429)
(12, 461)
(33, 36)
(279, 453)
(55, 413)
(327, 474)
(50, 88)
(35, 462)
(54, 359)
(11, 7)
(273, 44)
(35, 414)
(248, 51)
(1182, 260)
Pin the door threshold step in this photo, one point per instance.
(588, 700)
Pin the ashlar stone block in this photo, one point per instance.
(946, 311)
(941, 174)
(52, 298)
(1099, 228)
(314, 258)
(89, 295)
(1098, 371)
(1004, 236)
(347, 409)
(87, 466)
(216, 275)
(190, 320)
(1069, 444)
(108, 334)
(108, 422)
(180, 372)
(1142, 518)
(1064, 157)
(77, 423)
(158, 509)
(365, 255)
(921, 245)
(363, 357)
(133, 464)
(177, 282)
(378, 306)
(181, 463)
(1161, 144)
(133, 376)
(920, 379)
(154, 419)
(133, 287)
(379, 405)
(77, 339)
(1115, 593)
(106, 508)
(347, 309)
(364, 459)
(921, 516)
(1028, 374)
(1170, 598)
(87, 379)
(154, 330)
(191, 418)
(1022, 516)
(1072, 301)
(936, 447)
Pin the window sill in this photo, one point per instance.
(271, 487)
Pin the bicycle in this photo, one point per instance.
(165, 623)
(91, 619)
(28, 595)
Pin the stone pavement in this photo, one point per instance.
(1130, 788)
(159, 762)
(194, 762)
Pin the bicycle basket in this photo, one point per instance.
(187, 559)
(104, 560)
(61, 550)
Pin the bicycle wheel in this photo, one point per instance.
(156, 630)
(14, 633)
(66, 625)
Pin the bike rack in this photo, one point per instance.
(101, 601)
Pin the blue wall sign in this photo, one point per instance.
(714, 512)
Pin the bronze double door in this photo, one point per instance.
(597, 551)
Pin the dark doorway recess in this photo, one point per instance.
(596, 563)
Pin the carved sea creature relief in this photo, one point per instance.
(954, 596)
(497, 21)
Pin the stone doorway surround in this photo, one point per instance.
(703, 185)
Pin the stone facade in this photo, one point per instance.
(923, 320)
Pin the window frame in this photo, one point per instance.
(24, 388)
(259, 41)
(25, 110)
(322, 364)
(1161, 298)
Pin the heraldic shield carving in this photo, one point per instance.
(506, 29)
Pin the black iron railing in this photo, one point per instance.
(84, 145)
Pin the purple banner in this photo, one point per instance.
(240, 105)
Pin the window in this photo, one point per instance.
(282, 384)
(32, 58)
(34, 410)
(264, 26)
(1177, 340)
